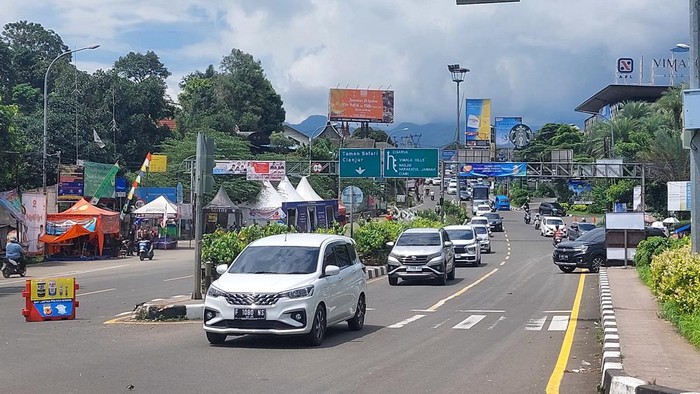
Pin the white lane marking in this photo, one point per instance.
(559, 311)
(482, 310)
(500, 319)
(459, 293)
(404, 322)
(94, 292)
(68, 273)
(180, 277)
(422, 310)
(559, 323)
(441, 323)
(370, 309)
(469, 322)
(507, 256)
(535, 324)
(503, 263)
(124, 313)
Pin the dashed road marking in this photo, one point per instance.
(406, 321)
(500, 319)
(178, 278)
(535, 324)
(559, 323)
(93, 292)
(469, 322)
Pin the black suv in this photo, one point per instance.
(495, 221)
(552, 209)
(588, 251)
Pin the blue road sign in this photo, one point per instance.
(410, 163)
(360, 163)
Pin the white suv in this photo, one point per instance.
(288, 284)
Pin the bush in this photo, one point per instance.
(425, 223)
(675, 277)
(649, 248)
(221, 247)
(371, 239)
(578, 207)
(565, 205)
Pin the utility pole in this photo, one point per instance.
(694, 153)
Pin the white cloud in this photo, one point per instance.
(535, 58)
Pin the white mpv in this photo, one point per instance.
(288, 284)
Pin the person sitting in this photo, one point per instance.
(526, 206)
(14, 252)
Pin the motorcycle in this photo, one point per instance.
(13, 267)
(432, 196)
(557, 238)
(537, 224)
(527, 217)
(145, 249)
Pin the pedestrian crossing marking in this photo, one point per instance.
(559, 323)
(500, 319)
(404, 322)
(469, 322)
(535, 324)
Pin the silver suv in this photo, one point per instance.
(466, 245)
(421, 253)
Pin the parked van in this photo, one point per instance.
(502, 203)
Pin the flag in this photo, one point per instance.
(106, 188)
(96, 138)
(164, 222)
(144, 168)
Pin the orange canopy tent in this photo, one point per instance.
(107, 222)
(74, 232)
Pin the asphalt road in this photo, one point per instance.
(498, 328)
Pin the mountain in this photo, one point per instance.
(429, 135)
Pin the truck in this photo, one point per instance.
(480, 195)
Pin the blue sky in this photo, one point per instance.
(537, 59)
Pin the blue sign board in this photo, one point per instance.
(149, 194)
(492, 169)
(360, 163)
(449, 155)
(410, 163)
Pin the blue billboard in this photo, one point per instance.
(492, 169)
(503, 126)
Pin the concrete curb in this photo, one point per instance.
(182, 307)
(614, 379)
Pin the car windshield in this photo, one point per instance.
(481, 230)
(591, 235)
(492, 215)
(276, 260)
(556, 205)
(586, 226)
(555, 222)
(480, 220)
(419, 239)
(461, 234)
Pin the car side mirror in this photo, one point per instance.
(221, 268)
(390, 244)
(331, 270)
(448, 243)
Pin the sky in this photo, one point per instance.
(538, 59)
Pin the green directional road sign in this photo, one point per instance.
(360, 163)
(410, 163)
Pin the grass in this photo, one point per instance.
(687, 324)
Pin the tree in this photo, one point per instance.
(377, 135)
(138, 67)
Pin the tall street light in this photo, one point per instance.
(679, 48)
(457, 77)
(46, 101)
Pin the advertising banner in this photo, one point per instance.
(58, 227)
(359, 105)
(120, 186)
(253, 170)
(492, 169)
(94, 174)
(70, 182)
(503, 125)
(478, 120)
(578, 186)
(106, 188)
(51, 298)
(159, 163)
(35, 217)
(678, 196)
(12, 201)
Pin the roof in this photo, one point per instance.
(421, 230)
(158, 207)
(613, 94)
(287, 191)
(83, 208)
(295, 134)
(458, 227)
(169, 123)
(306, 191)
(298, 239)
(221, 202)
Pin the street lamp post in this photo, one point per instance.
(679, 48)
(457, 77)
(46, 101)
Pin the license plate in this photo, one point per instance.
(414, 269)
(249, 314)
(563, 257)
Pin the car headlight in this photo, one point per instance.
(215, 292)
(302, 292)
(434, 255)
(393, 255)
(471, 249)
(581, 248)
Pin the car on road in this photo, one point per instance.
(495, 221)
(466, 246)
(577, 229)
(477, 202)
(482, 209)
(588, 251)
(288, 284)
(421, 253)
(551, 209)
(452, 187)
(464, 194)
(484, 236)
(483, 220)
(549, 225)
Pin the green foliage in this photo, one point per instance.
(371, 239)
(424, 223)
(675, 278)
(428, 214)
(578, 207)
(518, 195)
(649, 248)
(454, 213)
(335, 229)
(620, 191)
(565, 205)
(222, 247)
(599, 199)
(545, 190)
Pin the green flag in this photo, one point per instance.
(106, 187)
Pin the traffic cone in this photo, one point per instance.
(593, 219)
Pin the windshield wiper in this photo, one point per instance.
(264, 272)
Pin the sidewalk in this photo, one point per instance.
(650, 347)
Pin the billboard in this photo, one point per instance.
(253, 170)
(492, 169)
(504, 124)
(159, 163)
(478, 120)
(70, 182)
(679, 195)
(359, 105)
(34, 205)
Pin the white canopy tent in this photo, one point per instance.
(157, 209)
(287, 191)
(306, 191)
(268, 204)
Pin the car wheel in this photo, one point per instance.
(358, 321)
(477, 262)
(451, 275)
(596, 262)
(318, 327)
(393, 281)
(567, 270)
(215, 338)
(488, 250)
(442, 279)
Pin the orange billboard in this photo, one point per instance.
(359, 105)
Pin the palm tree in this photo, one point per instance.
(666, 158)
